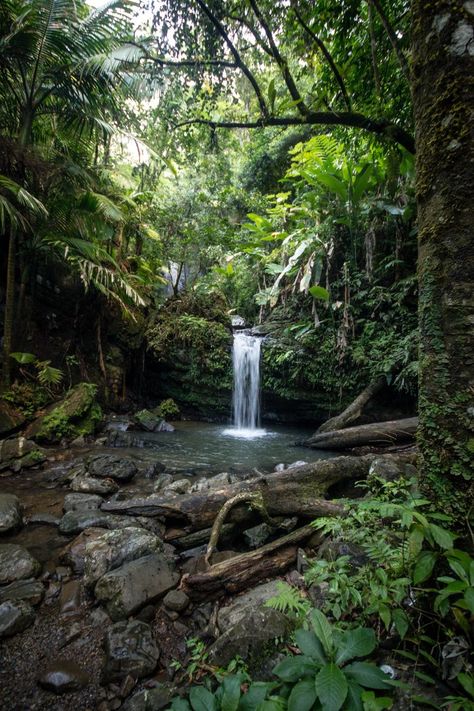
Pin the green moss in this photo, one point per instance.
(77, 414)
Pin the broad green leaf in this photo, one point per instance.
(334, 184)
(361, 183)
(255, 695)
(375, 703)
(310, 645)
(231, 695)
(23, 358)
(323, 630)
(385, 615)
(277, 704)
(331, 687)
(319, 292)
(353, 699)
(293, 668)
(180, 705)
(401, 622)
(367, 674)
(355, 643)
(442, 537)
(303, 696)
(467, 682)
(201, 699)
(469, 598)
(424, 566)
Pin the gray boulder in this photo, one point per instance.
(16, 563)
(391, 469)
(115, 548)
(74, 553)
(31, 591)
(250, 638)
(15, 616)
(130, 649)
(112, 466)
(176, 600)
(180, 486)
(91, 485)
(19, 453)
(149, 699)
(135, 584)
(245, 604)
(81, 502)
(63, 676)
(258, 535)
(10, 513)
(76, 521)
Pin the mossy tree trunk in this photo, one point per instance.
(443, 98)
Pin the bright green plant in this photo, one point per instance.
(46, 375)
(459, 702)
(168, 409)
(290, 601)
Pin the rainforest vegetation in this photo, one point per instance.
(171, 170)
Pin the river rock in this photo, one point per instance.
(258, 535)
(250, 637)
(19, 453)
(74, 553)
(91, 485)
(115, 548)
(81, 502)
(111, 466)
(15, 616)
(215, 482)
(70, 598)
(133, 585)
(76, 521)
(180, 486)
(130, 649)
(149, 699)
(30, 590)
(16, 563)
(176, 600)
(10, 513)
(43, 518)
(245, 604)
(76, 414)
(391, 469)
(63, 676)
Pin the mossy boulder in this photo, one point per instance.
(78, 413)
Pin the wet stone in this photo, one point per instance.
(16, 563)
(45, 519)
(149, 699)
(112, 466)
(31, 591)
(81, 502)
(91, 485)
(74, 553)
(70, 598)
(10, 513)
(76, 521)
(15, 616)
(130, 650)
(176, 600)
(63, 676)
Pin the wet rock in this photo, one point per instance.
(19, 453)
(258, 535)
(197, 538)
(15, 616)
(148, 420)
(127, 686)
(251, 637)
(70, 598)
(279, 467)
(155, 470)
(111, 466)
(163, 481)
(215, 482)
(115, 548)
(91, 485)
(76, 521)
(333, 549)
(180, 486)
(149, 699)
(318, 594)
(302, 563)
(31, 591)
(10, 418)
(199, 564)
(246, 604)
(74, 553)
(176, 600)
(10, 513)
(99, 617)
(295, 465)
(16, 563)
(63, 676)
(81, 502)
(133, 585)
(45, 519)
(130, 650)
(391, 469)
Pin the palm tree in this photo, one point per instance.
(63, 71)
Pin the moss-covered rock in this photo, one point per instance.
(76, 414)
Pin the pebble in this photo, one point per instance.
(63, 676)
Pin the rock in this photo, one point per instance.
(16, 563)
(76, 414)
(213, 483)
(112, 466)
(78, 442)
(391, 469)
(10, 418)
(81, 502)
(148, 421)
(10, 513)
(99, 617)
(245, 604)
(258, 535)
(180, 486)
(44, 518)
(19, 453)
(70, 598)
(30, 590)
(90, 485)
(149, 699)
(318, 594)
(302, 563)
(196, 538)
(176, 600)
(63, 676)
(333, 549)
(15, 616)
(76, 521)
(279, 467)
(163, 480)
(133, 585)
(74, 553)
(115, 548)
(251, 637)
(295, 465)
(130, 650)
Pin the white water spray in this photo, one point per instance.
(246, 395)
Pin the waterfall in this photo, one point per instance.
(246, 394)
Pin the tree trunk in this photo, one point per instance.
(9, 309)
(376, 434)
(354, 410)
(443, 97)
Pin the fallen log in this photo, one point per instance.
(299, 491)
(376, 434)
(354, 410)
(242, 571)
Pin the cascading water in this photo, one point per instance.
(246, 395)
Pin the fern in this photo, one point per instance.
(289, 601)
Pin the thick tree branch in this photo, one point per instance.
(238, 59)
(327, 56)
(281, 61)
(351, 119)
(392, 37)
